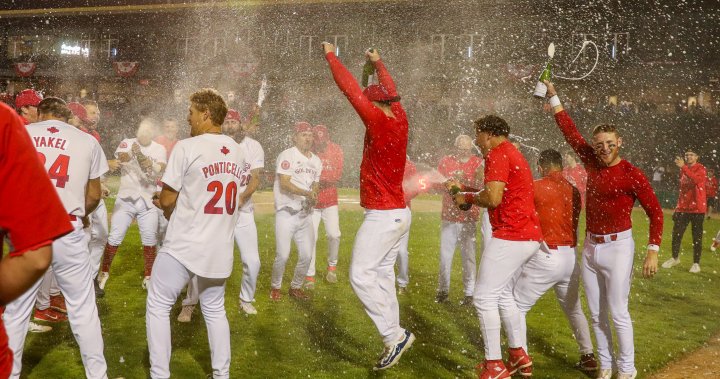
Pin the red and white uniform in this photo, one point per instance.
(99, 228)
(71, 159)
(458, 227)
(577, 176)
(326, 208)
(387, 219)
(558, 204)
(292, 217)
(515, 239)
(205, 171)
(167, 143)
(29, 227)
(609, 247)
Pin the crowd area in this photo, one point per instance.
(190, 188)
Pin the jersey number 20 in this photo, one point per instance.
(58, 171)
(230, 198)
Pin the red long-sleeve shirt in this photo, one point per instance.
(466, 173)
(385, 144)
(332, 169)
(692, 197)
(612, 191)
(558, 205)
(711, 187)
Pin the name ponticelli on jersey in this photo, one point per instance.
(218, 168)
(53, 142)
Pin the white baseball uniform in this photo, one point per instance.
(99, 232)
(71, 157)
(206, 172)
(292, 218)
(331, 220)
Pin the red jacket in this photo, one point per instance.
(711, 186)
(692, 197)
(385, 144)
(332, 169)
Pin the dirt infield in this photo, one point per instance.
(701, 363)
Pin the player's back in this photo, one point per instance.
(206, 171)
(71, 157)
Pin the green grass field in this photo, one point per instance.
(332, 337)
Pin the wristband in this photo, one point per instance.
(653, 247)
(469, 197)
(555, 101)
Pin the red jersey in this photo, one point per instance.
(385, 145)
(515, 218)
(332, 169)
(466, 173)
(167, 143)
(692, 197)
(558, 205)
(577, 176)
(711, 187)
(612, 191)
(32, 213)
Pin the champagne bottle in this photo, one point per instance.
(540, 87)
(454, 190)
(368, 70)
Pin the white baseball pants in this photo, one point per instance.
(191, 292)
(247, 241)
(162, 227)
(168, 279)
(451, 235)
(558, 269)
(372, 271)
(493, 297)
(71, 265)
(289, 227)
(48, 287)
(331, 219)
(123, 214)
(485, 228)
(403, 258)
(607, 274)
(98, 236)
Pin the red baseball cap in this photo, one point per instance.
(302, 126)
(376, 92)
(232, 114)
(79, 110)
(28, 97)
(321, 134)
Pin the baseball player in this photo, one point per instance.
(142, 162)
(459, 227)
(575, 173)
(26, 103)
(32, 214)
(200, 199)
(74, 163)
(326, 208)
(691, 208)
(403, 258)
(167, 139)
(558, 204)
(516, 236)
(387, 218)
(297, 178)
(613, 186)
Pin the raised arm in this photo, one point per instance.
(699, 177)
(349, 86)
(384, 77)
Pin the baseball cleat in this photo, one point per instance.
(519, 362)
(671, 263)
(248, 308)
(186, 313)
(587, 363)
(714, 245)
(298, 293)
(37, 328)
(604, 373)
(99, 292)
(402, 290)
(102, 279)
(331, 275)
(49, 315)
(625, 375)
(468, 300)
(57, 303)
(309, 283)
(145, 282)
(492, 370)
(441, 297)
(391, 355)
(275, 294)
(695, 268)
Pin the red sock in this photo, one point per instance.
(149, 255)
(108, 257)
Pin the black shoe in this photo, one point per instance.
(99, 292)
(467, 301)
(441, 297)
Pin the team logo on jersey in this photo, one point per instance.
(123, 144)
(285, 165)
(53, 129)
(224, 150)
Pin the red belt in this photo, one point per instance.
(601, 239)
(73, 217)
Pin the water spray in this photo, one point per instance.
(597, 59)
